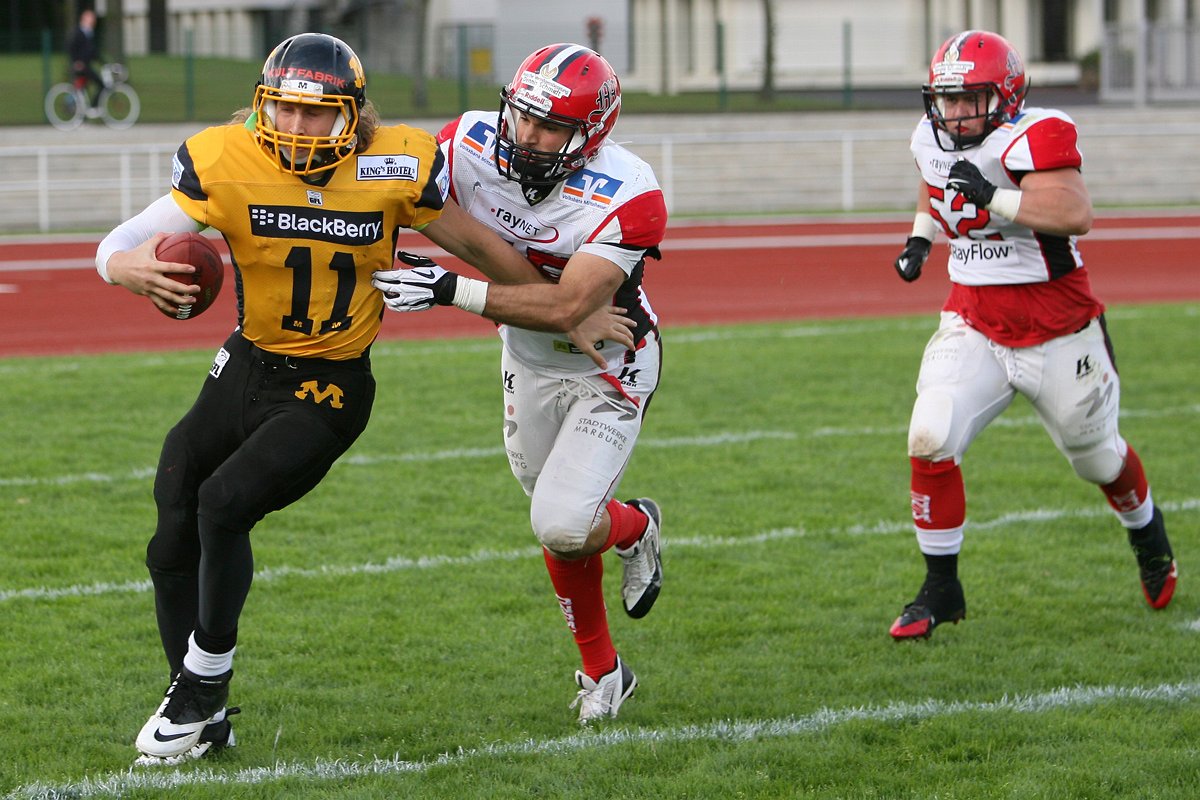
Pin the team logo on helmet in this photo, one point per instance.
(950, 71)
(606, 95)
(1014, 69)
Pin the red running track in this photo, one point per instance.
(53, 303)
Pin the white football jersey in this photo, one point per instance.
(985, 249)
(611, 208)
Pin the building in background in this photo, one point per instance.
(1134, 50)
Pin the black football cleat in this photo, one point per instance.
(937, 602)
(1156, 562)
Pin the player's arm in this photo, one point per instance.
(126, 258)
(587, 285)
(461, 235)
(916, 249)
(1053, 201)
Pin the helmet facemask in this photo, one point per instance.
(533, 167)
(299, 154)
(948, 109)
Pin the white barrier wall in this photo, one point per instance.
(709, 165)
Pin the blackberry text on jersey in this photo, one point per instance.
(351, 228)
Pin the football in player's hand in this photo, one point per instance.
(194, 249)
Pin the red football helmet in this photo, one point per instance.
(979, 64)
(568, 85)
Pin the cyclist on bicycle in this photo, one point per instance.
(83, 49)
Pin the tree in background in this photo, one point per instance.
(114, 31)
(420, 86)
(768, 85)
(157, 13)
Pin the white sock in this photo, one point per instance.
(201, 662)
(1140, 517)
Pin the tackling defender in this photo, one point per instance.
(1003, 182)
(587, 212)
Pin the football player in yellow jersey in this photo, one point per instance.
(308, 190)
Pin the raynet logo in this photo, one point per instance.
(525, 226)
(353, 228)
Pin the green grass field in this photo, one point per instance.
(217, 87)
(402, 638)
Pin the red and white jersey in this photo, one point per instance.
(612, 208)
(1018, 286)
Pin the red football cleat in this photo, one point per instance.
(1156, 562)
(1159, 585)
(937, 602)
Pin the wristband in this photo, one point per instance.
(470, 294)
(102, 266)
(1005, 203)
(924, 226)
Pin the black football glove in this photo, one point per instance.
(967, 180)
(418, 286)
(909, 264)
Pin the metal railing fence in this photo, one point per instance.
(54, 188)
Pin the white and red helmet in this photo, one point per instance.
(566, 84)
(975, 62)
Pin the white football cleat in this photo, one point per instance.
(192, 703)
(603, 698)
(641, 578)
(215, 736)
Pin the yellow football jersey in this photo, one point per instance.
(304, 254)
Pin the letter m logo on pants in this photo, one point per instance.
(332, 393)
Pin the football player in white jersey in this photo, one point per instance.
(1003, 182)
(587, 212)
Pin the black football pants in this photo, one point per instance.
(262, 433)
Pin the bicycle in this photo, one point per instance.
(67, 104)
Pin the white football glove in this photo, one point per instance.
(423, 285)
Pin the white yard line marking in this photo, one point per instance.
(332, 771)
(266, 575)
(1004, 422)
(363, 460)
(714, 440)
(690, 334)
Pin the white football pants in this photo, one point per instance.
(967, 380)
(570, 439)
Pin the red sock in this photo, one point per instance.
(1129, 490)
(581, 595)
(626, 525)
(939, 501)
